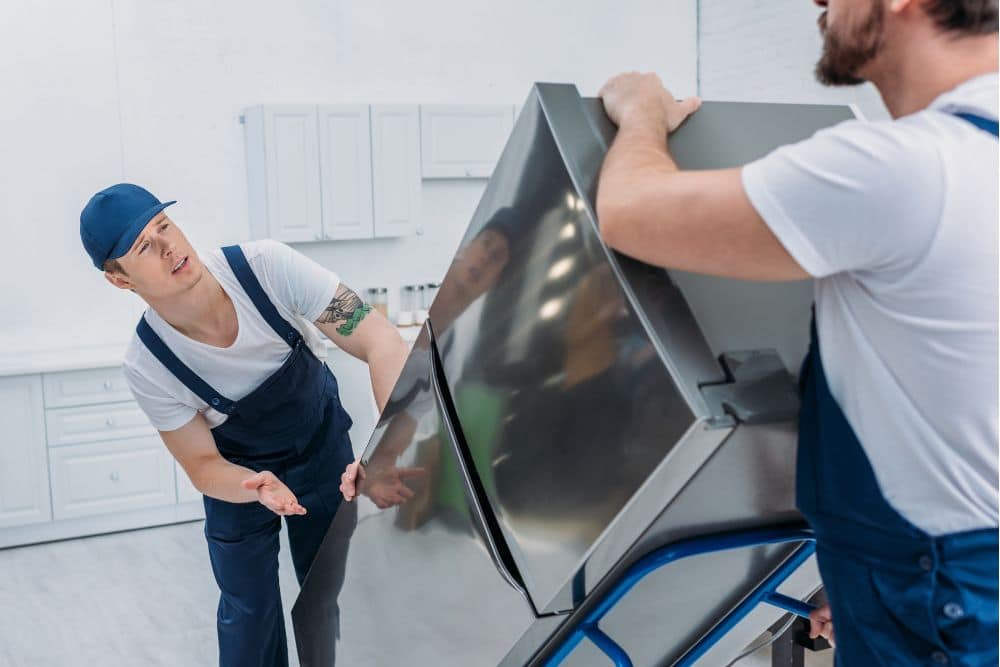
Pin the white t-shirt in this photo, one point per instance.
(300, 290)
(898, 222)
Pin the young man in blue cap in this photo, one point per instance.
(897, 221)
(227, 369)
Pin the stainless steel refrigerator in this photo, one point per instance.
(564, 411)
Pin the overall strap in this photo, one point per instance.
(180, 371)
(985, 124)
(238, 262)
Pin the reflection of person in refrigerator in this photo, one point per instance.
(477, 266)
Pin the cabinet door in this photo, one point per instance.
(396, 168)
(346, 171)
(111, 477)
(293, 189)
(461, 141)
(24, 476)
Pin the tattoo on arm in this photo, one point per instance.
(346, 310)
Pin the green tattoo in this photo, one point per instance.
(346, 310)
(347, 328)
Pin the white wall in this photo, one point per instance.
(765, 51)
(149, 91)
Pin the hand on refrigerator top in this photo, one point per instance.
(636, 98)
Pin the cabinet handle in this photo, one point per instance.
(107, 385)
(319, 237)
(110, 421)
(114, 477)
(468, 171)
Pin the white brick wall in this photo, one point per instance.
(765, 51)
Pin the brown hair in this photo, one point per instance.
(112, 266)
(968, 17)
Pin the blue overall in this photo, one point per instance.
(294, 426)
(898, 596)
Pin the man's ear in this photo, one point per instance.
(119, 280)
(898, 6)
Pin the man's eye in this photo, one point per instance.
(145, 244)
(164, 226)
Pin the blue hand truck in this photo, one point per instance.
(766, 592)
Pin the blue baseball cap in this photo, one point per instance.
(113, 219)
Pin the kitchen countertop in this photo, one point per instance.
(82, 357)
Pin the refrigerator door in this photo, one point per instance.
(564, 402)
(408, 573)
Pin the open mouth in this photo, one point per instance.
(179, 265)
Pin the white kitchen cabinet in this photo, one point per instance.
(86, 387)
(463, 141)
(355, 386)
(96, 423)
(186, 491)
(346, 171)
(110, 476)
(395, 169)
(283, 172)
(24, 477)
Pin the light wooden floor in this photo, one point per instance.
(145, 597)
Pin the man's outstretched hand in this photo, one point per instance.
(273, 494)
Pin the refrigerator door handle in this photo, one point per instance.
(507, 571)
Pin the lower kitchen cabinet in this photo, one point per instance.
(24, 474)
(355, 386)
(111, 477)
(186, 492)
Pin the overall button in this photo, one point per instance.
(215, 401)
(926, 563)
(953, 610)
(939, 658)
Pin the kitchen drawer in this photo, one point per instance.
(96, 423)
(110, 477)
(100, 385)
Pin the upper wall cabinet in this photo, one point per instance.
(309, 173)
(346, 171)
(283, 175)
(396, 168)
(463, 141)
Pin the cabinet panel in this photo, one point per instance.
(354, 382)
(462, 141)
(24, 477)
(395, 168)
(100, 385)
(346, 170)
(96, 423)
(293, 186)
(109, 477)
(186, 491)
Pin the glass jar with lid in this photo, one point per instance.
(378, 298)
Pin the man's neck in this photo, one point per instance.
(204, 312)
(928, 64)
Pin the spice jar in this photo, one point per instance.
(407, 304)
(378, 298)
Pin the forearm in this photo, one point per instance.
(385, 362)
(637, 163)
(218, 478)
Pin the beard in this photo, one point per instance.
(844, 55)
